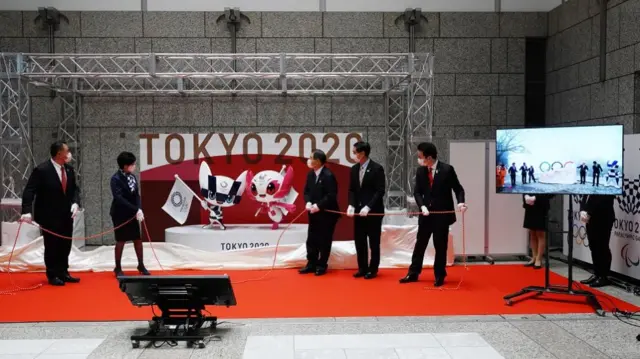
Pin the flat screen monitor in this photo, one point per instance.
(204, 289)
(582, 160)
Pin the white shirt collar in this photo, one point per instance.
(434, 167)
(365, 164)
(57, 166)
(318, 171)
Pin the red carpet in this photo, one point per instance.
(285, 293)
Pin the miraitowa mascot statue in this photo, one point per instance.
(274, 191)
(219, 192)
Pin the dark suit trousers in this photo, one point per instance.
(599, 234)
(513, 180)
(371, 227)
(56, 253)
(440, 229)
(320, 239)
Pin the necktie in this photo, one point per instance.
(361, 174)
(430, 177)
(63, 179)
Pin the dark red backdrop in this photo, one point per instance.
(156, 184)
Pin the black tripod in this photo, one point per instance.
(548, 288)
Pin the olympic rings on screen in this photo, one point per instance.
(558, 162)
(548, 168)
(566, 163)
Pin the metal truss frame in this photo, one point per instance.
(405, 81)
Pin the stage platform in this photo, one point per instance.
(199, 249)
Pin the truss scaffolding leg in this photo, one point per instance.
(69, 128)
(15, 127)
(395, 112)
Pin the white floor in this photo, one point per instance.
(48, 348)
(371, 346)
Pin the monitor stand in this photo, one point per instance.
(178, 325)
(548, 288)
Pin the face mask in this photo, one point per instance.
(132, 168)
(309, 163)
(69, 158)
(421, 162)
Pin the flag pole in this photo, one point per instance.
(189, 188)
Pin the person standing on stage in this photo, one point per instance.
(321, 196)
(583, 172)
(536, 209)
(366, 191)
(596, 170)
(512, 174)
(598, 214)
(126, 205)
(435, 180)
(52, 186)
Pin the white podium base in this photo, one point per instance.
(235, 237)
(397, 244)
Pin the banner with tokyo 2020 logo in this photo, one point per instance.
(625, 236)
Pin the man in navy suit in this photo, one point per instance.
(366, 193)
(52, 186)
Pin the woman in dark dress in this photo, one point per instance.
(536, 209)
(126, 205)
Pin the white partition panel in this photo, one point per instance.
(505, 216)
(470, 162)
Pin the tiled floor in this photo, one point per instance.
(371, 346)
(583, 336)
(48, 348)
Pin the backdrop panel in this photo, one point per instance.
(162, 156)
(505, 215)
(469, 160)
(625, 236)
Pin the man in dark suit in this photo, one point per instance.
(52, 185)
(583, 172)
(597, 169)
(320, 193)
(366, 191)
(435, 180)
(598, 214)
(512, 174)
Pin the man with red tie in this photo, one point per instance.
(52, 186)
(435, 182)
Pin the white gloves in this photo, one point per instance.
(74, 210)
(140, 216)
(26, 218)
(315, 209)
(462, 207)
(351, 211)
(584, 217)
(425, 211)
(308, 206)
(364, 211)
(530, 200)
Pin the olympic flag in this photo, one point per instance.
(178, 203)
(625, 236)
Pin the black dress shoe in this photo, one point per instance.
(409, 278)
(321, 271)
(599, 283)
(69, 279)
(537, 266)
(56, 282)
(590, 280)
(143, 270)
(359, 274)
(370, 275)
(439, 282)
(306, 270)
(118, 272)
